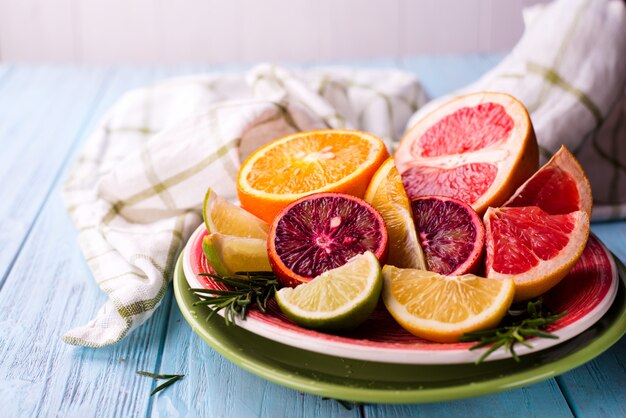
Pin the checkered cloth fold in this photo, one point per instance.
(136, 191)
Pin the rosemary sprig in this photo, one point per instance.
(244, 290)
(173, 378)
(520, 324)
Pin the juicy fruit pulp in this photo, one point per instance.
(341, 298)
(534, 248)
(451, 234)
(226, 218)
(386, 194)
(228, 255)
(308, 162)
(443, 308)
(321, 232)
(477, 148)
(559, 187)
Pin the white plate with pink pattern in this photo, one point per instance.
(586, 294)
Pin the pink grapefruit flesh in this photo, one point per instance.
(534, 248)
(477, 148)
(559, 187)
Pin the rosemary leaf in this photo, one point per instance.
(157, 376)
(166, 384)
(243, 291)
(520, 324)
(173, 378)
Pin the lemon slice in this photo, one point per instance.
(386, 193)
(443, 308)
(228, 255)
(226, 218)
(340, 298)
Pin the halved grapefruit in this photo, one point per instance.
(559, 187)
(532, 247)
(477, 148)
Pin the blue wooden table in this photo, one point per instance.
(46, 287)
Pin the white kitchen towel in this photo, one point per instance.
(136, 191)
(569, 70)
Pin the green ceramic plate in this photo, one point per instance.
(371, 382)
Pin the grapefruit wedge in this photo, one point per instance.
(559, 187)
(477, 148)
(532, 247)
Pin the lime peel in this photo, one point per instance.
(341, 298)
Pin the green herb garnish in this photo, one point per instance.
(520, 324)
(245, 290)
(173, 378)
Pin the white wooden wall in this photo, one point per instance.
(246, 31)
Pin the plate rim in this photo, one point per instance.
(516, 380)
(401, 355)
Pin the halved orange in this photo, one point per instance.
(297, 165)
(532, 247)
(477, 148)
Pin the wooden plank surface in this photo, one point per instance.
(48, 289)
(42, 112)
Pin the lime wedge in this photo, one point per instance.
(340, 298)
(228, 254)
(226, 218)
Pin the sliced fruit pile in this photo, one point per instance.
(325, 209)
(542, 230)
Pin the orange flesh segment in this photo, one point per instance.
(308, 163)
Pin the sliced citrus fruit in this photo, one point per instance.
(308, 162)
(321, 232)
(340, 298)
(532, 247)
(226, 218)
(443, 308)
(228, 254)
(450, 232)
(477, 148)
(560, 186)
(386, 194)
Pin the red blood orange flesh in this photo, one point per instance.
(477, 148)
(534, 248)
(559, 187)
(450, 232)
(323, 231)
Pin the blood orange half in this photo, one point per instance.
(321, 232)
(477, 148)
(559, 187)
(534, 248)
(450, 233)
